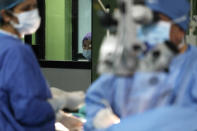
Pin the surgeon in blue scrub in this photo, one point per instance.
(24, 92)
(113, 97)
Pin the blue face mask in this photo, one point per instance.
(154, 34)
(87, 54)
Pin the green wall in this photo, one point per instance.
(58, 30)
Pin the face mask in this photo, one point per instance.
(154, 34)
(29, 22)
(87, 54)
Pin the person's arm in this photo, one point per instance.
(69, 100)
(100, 91)
(166, 118)
(27, 89)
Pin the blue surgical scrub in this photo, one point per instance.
(169, 118)
(23, 89)
(133, 95)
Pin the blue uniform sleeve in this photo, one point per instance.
(192, 89)
(100, 90)
(27, 89)
(168, 118)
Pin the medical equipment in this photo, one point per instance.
(159, 58)
(107, 21)
(127, 48)
(122, 58)
(106, 10)
(106, 52)
(130, 46)
(142, 14)
(105, 15)
(126, 53)
(133, 95)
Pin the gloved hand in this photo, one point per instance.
(62, 99)
(105, 118)
(75, 100)
(69, 121)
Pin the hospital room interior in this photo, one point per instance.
(108, 65)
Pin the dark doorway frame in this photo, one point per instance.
(39, 48)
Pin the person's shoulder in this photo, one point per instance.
(188, 56)
(109, 77)
(12, 43)
(191, 58)
(105, 78)
(193, 49)
(16, 49)
(11, 46)
(107, 81)
(19, 49)
(102, 82)
(191, 55)
(16, 45)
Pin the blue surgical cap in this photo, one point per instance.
(88, 36)
(7, 4)
(176, 10)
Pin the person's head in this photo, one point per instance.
(20, 17)
(87, 45)
(173, 19)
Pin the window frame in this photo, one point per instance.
(39, 48)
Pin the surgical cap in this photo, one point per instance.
(176, 10)
(7, 4)
(88, 36)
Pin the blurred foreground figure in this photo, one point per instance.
(26, 102)
(142, 79)
(24, 92)
(172, 118)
